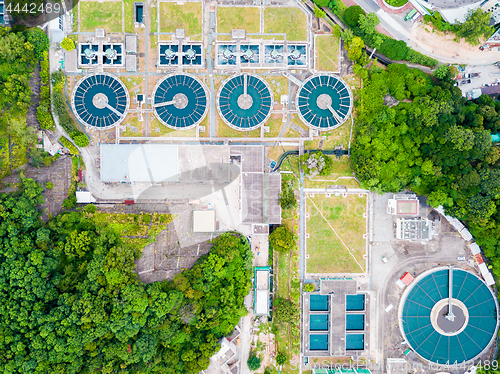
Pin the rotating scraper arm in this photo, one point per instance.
(106, 105)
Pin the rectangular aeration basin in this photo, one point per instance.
(318, 303)
(355, 302)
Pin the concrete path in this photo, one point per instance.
(210, 70)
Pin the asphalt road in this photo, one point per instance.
(399, 29)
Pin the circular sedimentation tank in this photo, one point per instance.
(180, 101)
(244, 102)
(442, 335)
(100, 101)
(324, 102)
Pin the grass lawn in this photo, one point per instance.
(396, 3)
(106, 15)
(75, 11)
(154, 18)
(129, 15)
(289, 21)
(275, 122)
(326, 252)
(149, 225)
(132, 120)
(279, 87)
(340, 168)
(327, 53)
(130, 84)
(167, 131)
(206, 123)
(230, 18)
(294, 134)
(187, 17)
(227, 132)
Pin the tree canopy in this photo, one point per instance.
(72, 302)
(435, 143)
(282, 239)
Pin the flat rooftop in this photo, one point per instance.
(139, 163)
(204, 221)
(261, 291)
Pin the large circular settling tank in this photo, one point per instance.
(245, 102)
(324, 102)
(100, 101)
(180, 101)
(444, 330)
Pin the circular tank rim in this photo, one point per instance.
(249, 128)
(205, 90)
(405, 295)
(122, 117)
(347, 114)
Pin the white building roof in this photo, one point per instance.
(139, 163)
(204, 221)
(84, 197)
(262, 292)
(457, 15)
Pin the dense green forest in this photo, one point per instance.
(72, 303)
(433, 142)
(22, 51)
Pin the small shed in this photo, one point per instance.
(84, 197)
(405, 280)
(204, 221)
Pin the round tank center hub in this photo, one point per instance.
(180, 101)
(99, 100)
(245, 101)
(448, 322)
(324, 101)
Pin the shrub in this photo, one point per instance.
(69, 202)
(80, 139)
(284, 310)
(91, 208)
(309, 287)
(287, 195)
(36, 157)
(49, 185)
(61, 110)
(396, 3)
(45, 92)
(280, 359)
(44, 68)
(44, 118)
(270, 370)
(40, 41)
(321, 3)
(67, 143)
(253, 362)
(316, 164)
(68, 44)
(352, 15)
(394, 49)
(318, 12)
(282, 239)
